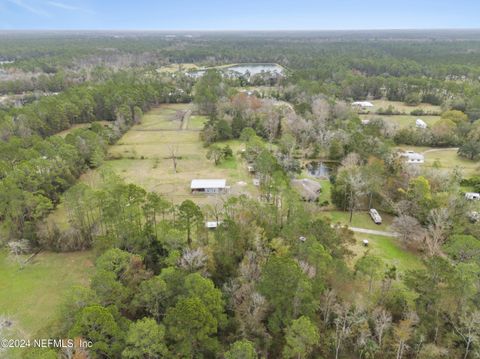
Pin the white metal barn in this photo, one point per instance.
(413, 157)
(362, 104)
(419, 123)
(209, 185)
(472, 196)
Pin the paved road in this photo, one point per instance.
(373, 231)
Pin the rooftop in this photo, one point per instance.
(208, 183)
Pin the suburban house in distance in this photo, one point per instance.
(419, 123)
(413, 157)
(209, 186)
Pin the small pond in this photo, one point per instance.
(318, 169)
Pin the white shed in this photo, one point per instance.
(472, 196)
(209, 185)
(362, 104)
(419, 123)
(413, 157)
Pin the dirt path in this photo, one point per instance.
(373, 231)
(440, 149)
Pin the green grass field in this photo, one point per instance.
(360, 219)
(445, 159)
(403, 121)
(30, 296)
(404, 108)
(389, 250)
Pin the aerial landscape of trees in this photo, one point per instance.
(282, 274)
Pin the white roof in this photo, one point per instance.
(472, 194)
(208, 183)
(362, 103)
(413, 156)
(213, 224)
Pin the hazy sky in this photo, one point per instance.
(239, 15)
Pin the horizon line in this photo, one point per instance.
(247, 30)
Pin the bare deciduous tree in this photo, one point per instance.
(173, 149)
(382, 320)
(408, 228)
(439, 225)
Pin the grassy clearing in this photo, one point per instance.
(142, 156)
(64, 133)
(360, 219)
(404, 108)
(403, 121)
(30, 296)
(177, 67)
(445, 159)
(389, 250)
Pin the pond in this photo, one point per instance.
(255, 69)
(318, 169)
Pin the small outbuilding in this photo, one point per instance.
(375, 216)
(413, 157)
(362, 104)
(211, 186)
(419, 123)
(212, 224)
(472, 196)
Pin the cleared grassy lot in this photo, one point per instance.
(30, 297)
(143, 156)
(404, 108)
(403, 121)
(360, 219)
(445, 159)
(390, 250)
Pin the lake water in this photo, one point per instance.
(318, 169)
(243, 69)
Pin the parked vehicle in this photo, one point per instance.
(375, 216)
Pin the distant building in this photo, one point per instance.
(375, 216)
(420, 123)
(472, 196)
(212, 224)
(256, 182)
(365, 121)
(362, 104)
(209, 186)
(413, 157)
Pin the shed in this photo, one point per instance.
(362, 104)
(212, 224)
(472, 196)
(209, 185)
(413, 157)
(419, 123)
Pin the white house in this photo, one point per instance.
(362, 104)
(209, 185)
(419, 123)
(472, 196)
(413, 157)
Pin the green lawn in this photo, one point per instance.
(404, 108)
(445, 158)
(389, 250)
(404, 121)
(30, 296)
(360, 219)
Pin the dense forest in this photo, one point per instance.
(276, 278)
